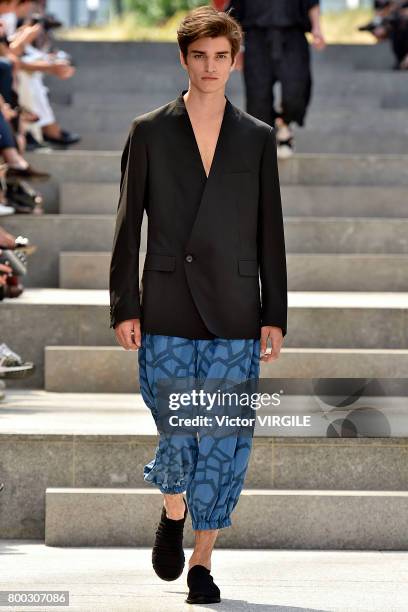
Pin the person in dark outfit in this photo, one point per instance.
(391, 22)
(276, 49)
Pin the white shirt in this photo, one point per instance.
(10, 23)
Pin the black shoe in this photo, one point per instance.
(202, 589)
(67, 138)
(29, 172)
(32, 143)
(168, 554)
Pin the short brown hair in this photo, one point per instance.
(206, 21)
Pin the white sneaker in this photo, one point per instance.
(285, 142)
(6, 210)
(285, 149)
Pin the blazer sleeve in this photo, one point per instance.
(124, 265)
(271, 241)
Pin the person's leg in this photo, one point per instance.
(296, 82)
(295, 77)
(223, 455)
(7, 140)
(6, 80)
(26, 87)
(163, 358)
(258, 76)
(40, 103)
(399, 42)
(167, 364)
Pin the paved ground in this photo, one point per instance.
(251, 580)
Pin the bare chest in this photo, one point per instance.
(206, 136)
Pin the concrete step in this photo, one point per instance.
(377, 83)
(89, 234)
(302, 169)
(345, 235)
(103, 141)
(322, 101)
(262, 519)
(306, 272)
(117, 462)
(104, 440)
(110, 369)
(133, 78)
(145, 76)
(343, 201)
(329, 121)
(307, 141)
(316, 320)
(376, 121)
(124, 101)
(89, 198)
(353, 141)
(393, 102)
(113, 53)
(347, 272)
(56, 233)
(298, 200)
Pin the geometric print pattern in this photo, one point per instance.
(210, 468)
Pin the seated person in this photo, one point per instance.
(32, 65)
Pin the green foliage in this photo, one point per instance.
(158, 10)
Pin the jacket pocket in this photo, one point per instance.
(248, 267)
(165, 263)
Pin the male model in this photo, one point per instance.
(206, 173)
(276, 49)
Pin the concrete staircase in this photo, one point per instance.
(346, 227)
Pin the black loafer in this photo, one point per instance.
(66, 138)
(168, 555)
(202, 589)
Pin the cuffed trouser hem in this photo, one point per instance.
(219, 524)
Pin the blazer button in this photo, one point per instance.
(189, 258)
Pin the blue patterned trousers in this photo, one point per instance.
(210, 468)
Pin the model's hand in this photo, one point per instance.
(62, 69)
(276, 338)
(318, 39)
(128, 334)
(380, 33)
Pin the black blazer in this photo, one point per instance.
(206, 237)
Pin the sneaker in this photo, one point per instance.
(285, 142)
(12, 365)
(5, 209)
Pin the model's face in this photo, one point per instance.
(209, 63)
